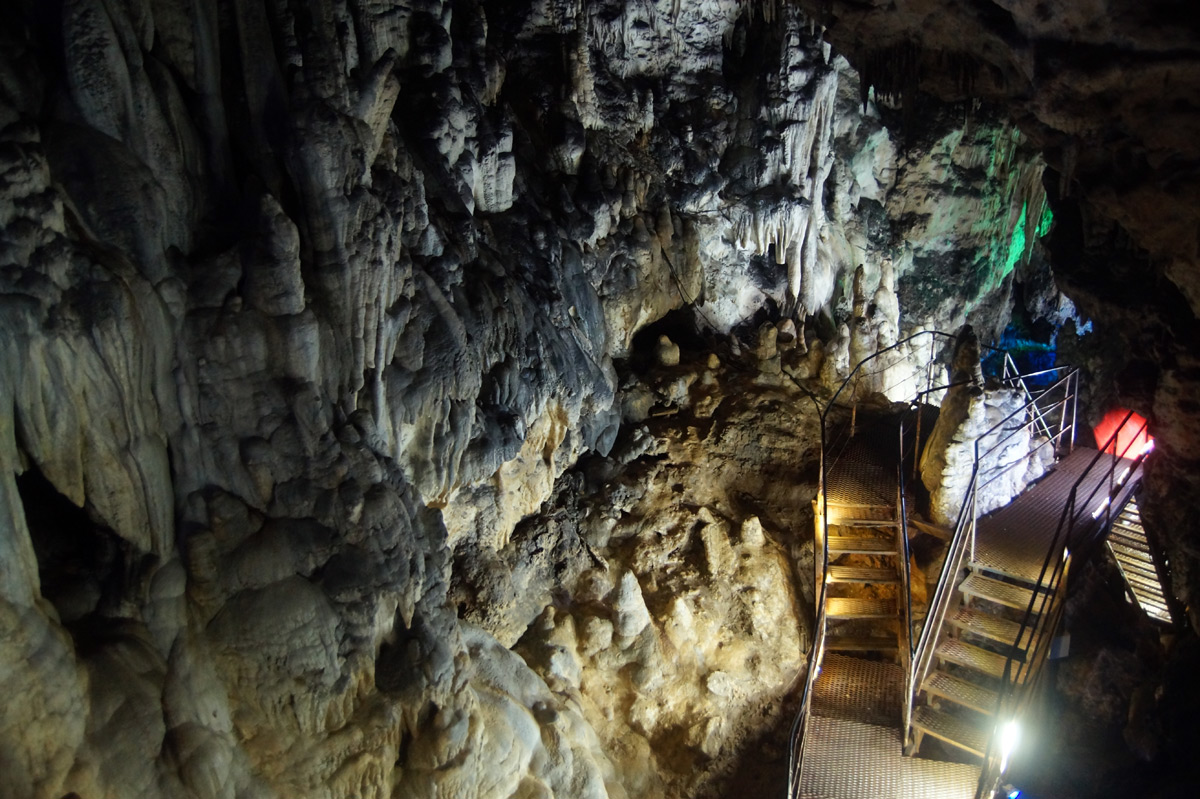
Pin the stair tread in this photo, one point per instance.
(859, 643)
(1002, 593)
(1136, 555)
(1131, 541)
(951, 729)
(1161, 615)
(837, 607)
(1143, 580)
(865, 545)
(862, 574)
(1142, 568)
(987, 625)
(867, 522)
(973, 657)
(1152, 598)
(962, 692)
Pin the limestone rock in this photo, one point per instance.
(632, 616)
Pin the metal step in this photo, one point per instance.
(861, 574)
(1142, 581)
(961, 692)
(1161, 615)
(1149, 603)
(861, 545)
(1002, 593)
(994, 628)
(951, 729)
(848, 643)
(1137, 542)
(1147, 570)
(1129, 526)
(973, 657)
(837, 607)
(1135, 555)
(850, 521)
(853, 514)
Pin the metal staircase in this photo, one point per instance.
(866, 607)
(961, 692)
(974, 666)
(1142, 565)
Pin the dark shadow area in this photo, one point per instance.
(81, 564)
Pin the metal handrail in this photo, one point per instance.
(1012, 700)
(821, 559)
(815, 653)
(963, 538)
(940, 603)
(906, 650)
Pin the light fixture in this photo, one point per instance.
(1100, 508)
(1010, 734)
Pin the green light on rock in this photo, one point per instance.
(1016, 247)
(1047, 219)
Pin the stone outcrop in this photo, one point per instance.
(983, 434)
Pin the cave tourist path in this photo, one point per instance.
(853, 748)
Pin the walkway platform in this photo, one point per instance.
(1012, 541)
(853, 747)
(863, 474)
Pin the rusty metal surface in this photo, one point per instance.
(851, 760)
(1013, 541)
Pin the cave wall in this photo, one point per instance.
(304, 306)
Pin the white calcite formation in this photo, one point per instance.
(983, 434)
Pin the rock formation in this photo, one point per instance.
(309, 312)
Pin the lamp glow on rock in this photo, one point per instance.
(1010, 735)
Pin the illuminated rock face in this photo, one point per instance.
(307, 306)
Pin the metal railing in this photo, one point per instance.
(906, 645)
(829, 454)
(1044, 611)
(1034, 411)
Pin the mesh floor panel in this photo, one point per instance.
(1014, 539)
(850, 760)
(864, 472)
(857, 689)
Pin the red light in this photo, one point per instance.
(1132, 438)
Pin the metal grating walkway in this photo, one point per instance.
(867, 691)
(864, 761)
(1013, 540)
(852, 749)
(864, 474)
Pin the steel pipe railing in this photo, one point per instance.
(914, 654)
(1048, 601)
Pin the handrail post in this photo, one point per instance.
(1074, 410)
